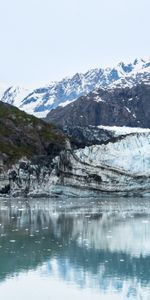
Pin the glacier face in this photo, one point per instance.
(120, 165)
(43, 99)
(130, 154)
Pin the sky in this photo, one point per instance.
(46, 40)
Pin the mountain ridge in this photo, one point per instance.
(42, 100)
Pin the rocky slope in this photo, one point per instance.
(114, 106)
(25, 137)
(41, 100)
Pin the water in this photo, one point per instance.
(85, 249)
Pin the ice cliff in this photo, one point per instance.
(119, 165)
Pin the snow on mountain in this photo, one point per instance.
(42, 100)
(14, 95)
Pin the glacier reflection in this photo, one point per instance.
(97, 244)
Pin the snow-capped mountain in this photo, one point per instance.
(13, 95)
(43, 99)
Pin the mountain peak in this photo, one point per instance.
(139, 61)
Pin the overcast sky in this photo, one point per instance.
(44, 40)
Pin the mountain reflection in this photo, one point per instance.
(104, 240)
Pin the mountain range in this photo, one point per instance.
(42, 100)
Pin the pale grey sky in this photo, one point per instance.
(44, 40)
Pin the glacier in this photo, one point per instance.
(119, 165)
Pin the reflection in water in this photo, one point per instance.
(98, 246)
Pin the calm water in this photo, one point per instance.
(75, 249)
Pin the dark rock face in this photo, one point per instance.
(87, 136)
(118, 106)
(26, 177)
(5, 190)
